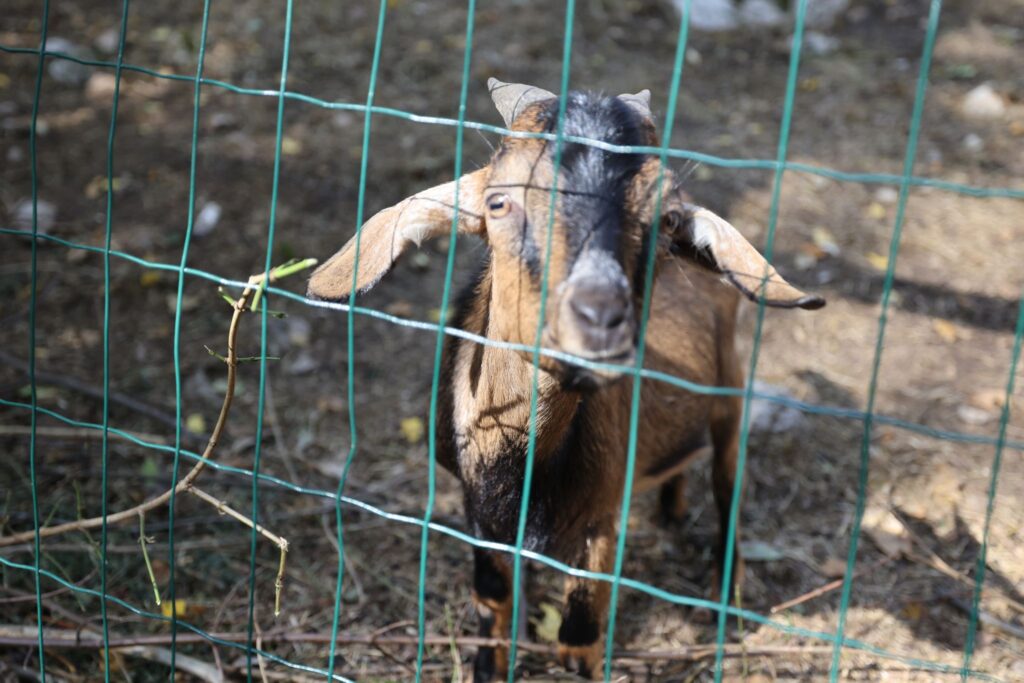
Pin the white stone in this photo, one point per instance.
(973, 143)
(46, 215)
(64, 70)
(207, 219)
(983, 103)
(820, 44)
(887, 195)
(107, 42)
(771, 416)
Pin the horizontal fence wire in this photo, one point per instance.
(673, 152)
(868, 417)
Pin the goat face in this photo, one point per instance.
(589, 238)
(586, 238)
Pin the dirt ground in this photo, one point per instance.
(947, 351)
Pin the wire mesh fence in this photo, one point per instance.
(182, 630)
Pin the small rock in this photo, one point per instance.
(107, 42)
(819, 43)
(693, 56)
(207, 219)
(299, 331)
(762, 13)
(974, 416)
(710, 15)
(223, 120)
(973, 143)
(886, 195)
(100, 87)
(771, 416)
(46, 215)
(301, 363)
(15, 154)
(983, 103)
(344, 119)
(64, 70)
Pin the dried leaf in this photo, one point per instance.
(759, 551)
(546, 627)
(290, 146)
(886, 531)
(876, 211)
(179, 607)
(824, 240)
(195, 423)
(149, 278)
(877, 260)
(945, 329)
(833, 568)
(412, 429)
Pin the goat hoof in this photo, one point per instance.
(586, 660)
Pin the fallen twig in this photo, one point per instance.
(821, 590)
(187, 483)
(121, 399)
(27, 636)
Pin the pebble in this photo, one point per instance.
(983, 103)
(771, 416)
(819, 43)
(107, 42)
(64, 70)
(100, 87)
(207, 219)
(886, 195)
(973, 142)
(46, 215)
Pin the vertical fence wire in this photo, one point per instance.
(531, 444)
(104, 448)
(906, 181)
(33, 134)
(264, 305)
(435, 382)
(890, 274)
(350, 322)
(652, 257)
(997, 460)
(731, 540)
(176, 350)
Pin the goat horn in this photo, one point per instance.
(640, 102)
(512, 98)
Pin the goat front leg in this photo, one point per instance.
(492, 594)
(580, 637)
(725, 435)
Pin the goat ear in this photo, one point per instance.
(712, 242)
(384, 238)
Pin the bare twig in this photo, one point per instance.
(78, 433)
(187, 481)
(985, 618)
(124, 400)
(143, 541)
(821, 590)
(281, 543)
(56, 638)
(256, 284)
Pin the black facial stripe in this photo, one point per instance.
(596, 180)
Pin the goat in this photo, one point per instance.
(599, 240)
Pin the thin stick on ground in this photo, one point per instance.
(255, 286)
(143, 542)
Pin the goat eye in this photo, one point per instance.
(499, 205)
(673, 221)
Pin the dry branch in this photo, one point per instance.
(68, 639)
(252, 290)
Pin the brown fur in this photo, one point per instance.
(581, 436)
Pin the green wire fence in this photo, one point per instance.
(869, 418)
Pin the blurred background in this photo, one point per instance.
(945, 365)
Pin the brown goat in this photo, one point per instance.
(599, 236)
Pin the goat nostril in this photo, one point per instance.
(599, 309)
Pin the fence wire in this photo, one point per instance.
(869, 418)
